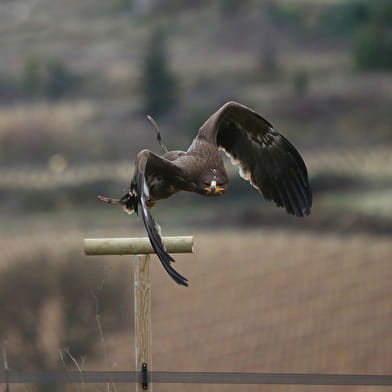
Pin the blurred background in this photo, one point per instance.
(268, 292)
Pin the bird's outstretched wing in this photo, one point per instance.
(150, 167)
(266, 158)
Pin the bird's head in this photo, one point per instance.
(213, 183)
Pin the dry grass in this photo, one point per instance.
(375, 163)
(38, 178)
(259, 300)
(274, 302)
(267, 301)
(64, 117)
(277, 302)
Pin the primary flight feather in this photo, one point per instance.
(265, 158)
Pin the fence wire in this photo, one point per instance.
(172, 377)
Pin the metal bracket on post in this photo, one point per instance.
(144, 376)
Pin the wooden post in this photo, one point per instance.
(142, 293)
(142, 248)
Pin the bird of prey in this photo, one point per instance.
(264, 156)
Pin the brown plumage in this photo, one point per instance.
(265, 157)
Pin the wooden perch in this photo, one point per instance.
(135, 246)
(142, 248)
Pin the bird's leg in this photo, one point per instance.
(111, 201)
(150, 203)
(128, 201)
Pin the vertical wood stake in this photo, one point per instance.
(142, 289)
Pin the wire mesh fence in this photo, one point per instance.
(302, 306)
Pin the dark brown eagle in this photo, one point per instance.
(265, 158)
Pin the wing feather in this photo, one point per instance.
(148, 162)
(265, 157)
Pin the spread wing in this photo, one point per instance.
(150, 167)
(266, 158)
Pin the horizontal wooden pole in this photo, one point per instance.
(135, 246)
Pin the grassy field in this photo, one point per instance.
(269, 301)
(267, 292)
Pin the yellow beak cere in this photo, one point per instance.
(213, 188)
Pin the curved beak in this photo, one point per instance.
(213, 189)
